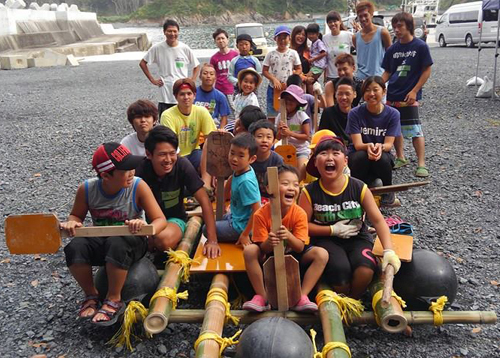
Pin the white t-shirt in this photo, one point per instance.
(336, 45)
(173, 63)
(133, 143)
(281, 64)
(241, 101)
(295, 125)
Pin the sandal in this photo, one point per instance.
(112, 316)
(422, 172)
(398, 163)
(91, 301)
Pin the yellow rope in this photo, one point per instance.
(223, 342)
(378, 296)
(218, 294)
(171, 294)
(437, 308)
(181, 258)
(134, 313)
(328, 347)
(348, 307)
(240, 299)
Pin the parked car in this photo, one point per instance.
(462, 24)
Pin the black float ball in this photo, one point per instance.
(141, 283)
(274, 337)
(426, 278)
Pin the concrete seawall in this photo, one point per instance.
(27, 33)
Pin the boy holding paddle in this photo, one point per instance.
(295, 234)
(115, 197)
(243, 189)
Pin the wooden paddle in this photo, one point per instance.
(287, 151)
(276, 97)
(315, 113)
(218, 145)
(281, 272)
(397, 187)
(40, 233)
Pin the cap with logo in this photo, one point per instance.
(112, 155)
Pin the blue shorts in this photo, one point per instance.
(195, 158)
(411, 127)
(179, 222)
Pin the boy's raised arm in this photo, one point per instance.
(146, 201)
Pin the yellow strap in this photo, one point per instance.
(171, 294)
(135, 311)
(181, 258)
(437, 308)
(223, 342)
(348, 307)
(328, 347)
(218, 294)
(378, 296)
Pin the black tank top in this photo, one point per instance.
(328, 208)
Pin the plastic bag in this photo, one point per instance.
(486, 89)
(475, 81)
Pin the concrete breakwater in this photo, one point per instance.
(60, 29)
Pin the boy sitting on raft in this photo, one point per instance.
(335, 205)
(294, 231)
(243, 189)
(115, 197)
(169, 175)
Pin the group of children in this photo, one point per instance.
(147, 176)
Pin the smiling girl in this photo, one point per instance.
(335, 205)
(248, 82)
(373, 127)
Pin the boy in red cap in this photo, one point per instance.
(115, 197)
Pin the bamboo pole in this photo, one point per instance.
(213, 321)
(333, 329)
(366, 318)
(161, 308)
(391, 318)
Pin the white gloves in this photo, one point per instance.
(343, 230)
(317, 88)
(390, 258)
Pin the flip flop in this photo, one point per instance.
(90, 301)
(112, 316)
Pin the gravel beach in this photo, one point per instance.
(53, 118)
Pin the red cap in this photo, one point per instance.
(113, 155)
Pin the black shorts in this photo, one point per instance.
(296, 255)
(345, 256)
(122, 251)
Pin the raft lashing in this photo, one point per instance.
(334, 312)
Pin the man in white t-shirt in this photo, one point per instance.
(174, 59)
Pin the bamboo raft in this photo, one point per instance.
(390, 316)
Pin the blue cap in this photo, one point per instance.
(282, 29)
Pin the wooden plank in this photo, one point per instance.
(230, 260)
(279, 250)
(401, 244)
(288, 152)
(315, 113)
(397, 187)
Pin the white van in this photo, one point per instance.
(461, 24)
(255, 30)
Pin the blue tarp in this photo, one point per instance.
(491, 4)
